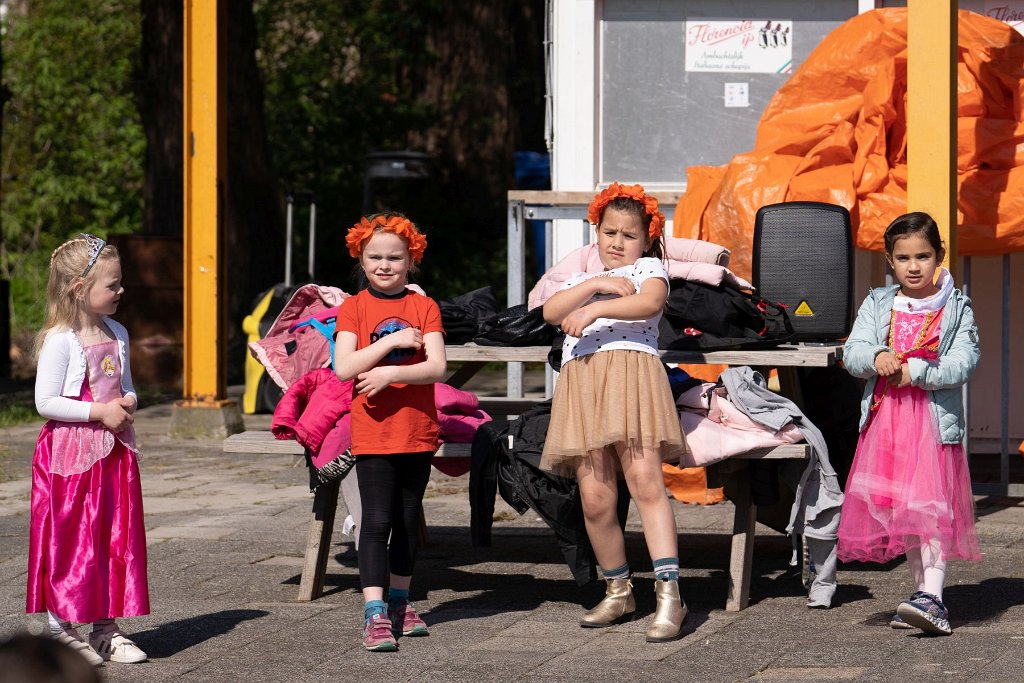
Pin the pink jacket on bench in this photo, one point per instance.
(716, 429)
(687, 260)
(315, 412)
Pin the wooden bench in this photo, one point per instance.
(325, 505)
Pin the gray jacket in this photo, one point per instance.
(959, 352)
(818, 496)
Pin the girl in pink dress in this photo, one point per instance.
(909, 490)
(87, 541)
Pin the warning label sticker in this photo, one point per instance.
(803, 309)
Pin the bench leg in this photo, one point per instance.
(741, 558)
(318, 543)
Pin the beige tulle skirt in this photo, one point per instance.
(617, 401)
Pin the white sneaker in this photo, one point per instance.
(114, 647)
(76, 642)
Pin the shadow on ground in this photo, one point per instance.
(449, 561)
(173, 637)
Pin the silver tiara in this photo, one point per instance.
(95, 245)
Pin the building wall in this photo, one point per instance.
(624, 112)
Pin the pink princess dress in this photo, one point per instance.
(906, 488)
(87, 541)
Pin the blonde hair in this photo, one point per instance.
(66, 282)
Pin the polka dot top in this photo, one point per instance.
(607, 334)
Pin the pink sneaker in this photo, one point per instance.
(377, 635)
(406, 621)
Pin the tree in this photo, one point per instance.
(461, 81)
(72, 140)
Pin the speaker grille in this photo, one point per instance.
(803, 259)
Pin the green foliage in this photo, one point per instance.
(73, 146)
(346, 78)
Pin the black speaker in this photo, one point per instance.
(803, 258)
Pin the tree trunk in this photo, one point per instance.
(160, 108)
(255, 217)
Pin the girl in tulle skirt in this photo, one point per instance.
(613, 414)
(87, 538)
(909, 490)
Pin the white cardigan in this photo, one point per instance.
(61, 370)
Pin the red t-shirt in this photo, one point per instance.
(402, 418)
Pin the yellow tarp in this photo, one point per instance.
(836, 132)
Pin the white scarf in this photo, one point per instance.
(935, 302)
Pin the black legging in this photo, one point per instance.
(391, 491)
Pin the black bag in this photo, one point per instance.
(700, 317)
(462, 316)
(516, 326)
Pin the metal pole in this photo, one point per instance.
(1004, 411)
(516, 289)
(965, 390)
(288, 244)
(549, 260)
(312, 240)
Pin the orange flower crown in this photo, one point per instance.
(360, 233)
(635, 192)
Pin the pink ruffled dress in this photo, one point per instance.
(87, 540)
(905, 487)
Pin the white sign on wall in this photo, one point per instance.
(762, 46)
(1008, 11)
(737, 95)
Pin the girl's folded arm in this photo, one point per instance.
(862, 345)
(953, 368)
(348, 362)
(431, 370)
(564, 302)
(646, 303)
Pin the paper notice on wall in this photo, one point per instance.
(763, 46)
(1007, 11)
(737, 95)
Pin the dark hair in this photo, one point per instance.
(915, 223)
(635, 208)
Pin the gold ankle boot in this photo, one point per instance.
(618, 605)
(668, 615)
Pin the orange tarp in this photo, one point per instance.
(836, 132)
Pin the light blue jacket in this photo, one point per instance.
(959, 352)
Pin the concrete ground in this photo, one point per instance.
(226, 537)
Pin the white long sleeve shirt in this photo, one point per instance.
(61, 369)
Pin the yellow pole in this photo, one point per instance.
(931, 115)
(204, 90)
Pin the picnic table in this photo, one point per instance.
(786, 358)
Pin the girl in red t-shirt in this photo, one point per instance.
(391, 344)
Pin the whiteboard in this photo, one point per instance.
(654, 118)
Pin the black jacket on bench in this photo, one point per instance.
(517, 476)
